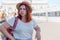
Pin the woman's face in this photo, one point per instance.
(23, 10)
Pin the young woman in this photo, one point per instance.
(2, 20)
(25, 24)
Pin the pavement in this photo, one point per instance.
(49, 30)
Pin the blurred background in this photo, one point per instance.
(45, 12)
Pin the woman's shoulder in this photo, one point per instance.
(11, 21)
(33, 20)
(13, 18)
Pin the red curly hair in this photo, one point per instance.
(28, 15)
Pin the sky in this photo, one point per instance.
(49, 2)
(54, 2)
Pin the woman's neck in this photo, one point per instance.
(23, 19)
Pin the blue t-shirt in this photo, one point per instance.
(23, 30)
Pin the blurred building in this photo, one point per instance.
(42, 10)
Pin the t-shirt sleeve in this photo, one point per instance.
(34, 23)
(11, 21)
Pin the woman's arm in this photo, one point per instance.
(4, 28)
(38, 36)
